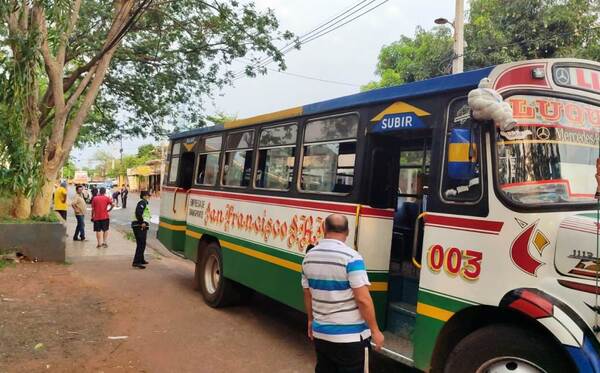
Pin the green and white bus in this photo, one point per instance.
(480, 242)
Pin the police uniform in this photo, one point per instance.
(142, 215)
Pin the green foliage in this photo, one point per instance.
(19, 159)
(496, 32)
(50, 218)
(177, 55)
(408, 59)
(6, 263)
(69, 170)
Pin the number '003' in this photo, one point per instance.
(466, 263)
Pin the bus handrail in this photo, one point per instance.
(416, 240)
(356, 221)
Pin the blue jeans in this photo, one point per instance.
(80, 229)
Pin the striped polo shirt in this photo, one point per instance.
(330, 270)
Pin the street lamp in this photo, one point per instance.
(458, 27)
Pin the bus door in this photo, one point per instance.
(400, 165)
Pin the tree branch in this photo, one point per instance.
(62, 46)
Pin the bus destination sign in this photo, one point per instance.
(582, 78)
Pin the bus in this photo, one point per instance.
(480, 242)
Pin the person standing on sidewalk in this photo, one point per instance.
(124, 193)
(115, 197)
(140, 229)
(79, 207)
(60, 200)
(101, 205)
(341, 315)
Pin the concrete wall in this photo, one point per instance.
(44, 241)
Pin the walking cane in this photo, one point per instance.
(367, 359)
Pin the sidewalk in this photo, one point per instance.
(118, 244)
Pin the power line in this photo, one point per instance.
(315, 33)
(314, 78)
(309, 33)
(345, 23)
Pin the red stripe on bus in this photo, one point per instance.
(313, 205)
(580, 287)
(483, 226)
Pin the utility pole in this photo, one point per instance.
(459, 39)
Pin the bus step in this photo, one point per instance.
(401, 319)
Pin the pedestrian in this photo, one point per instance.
(79, 207)
(60, 200)
(124, 194)
(341, 315)
(140, 228)
(115, 197)
(101, 205)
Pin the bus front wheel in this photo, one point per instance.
(506, 348)
(217, 290)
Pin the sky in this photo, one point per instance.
(347, 55)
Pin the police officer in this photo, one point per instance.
(140, 228)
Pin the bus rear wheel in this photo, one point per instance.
(506, 348)
(217, 290)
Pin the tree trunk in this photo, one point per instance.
(43, 198)
(21, 206)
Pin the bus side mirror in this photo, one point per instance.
(462, 154)
(382, 185)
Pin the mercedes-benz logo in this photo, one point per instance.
(543, 133)
(562, 76)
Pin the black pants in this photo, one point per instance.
(62, 213)
(80, 228)
(340, 357)
(124, 202)
(140, 241)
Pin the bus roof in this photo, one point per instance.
(424, 87)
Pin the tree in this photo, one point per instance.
(496, 32)
(90, 61)
(408, 59)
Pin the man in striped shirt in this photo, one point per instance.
(341, 315)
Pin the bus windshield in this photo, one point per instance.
(550, 156)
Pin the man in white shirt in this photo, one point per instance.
(341, 315)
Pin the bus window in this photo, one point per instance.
(174, 162)
(461, 181)
(276, 155)
(238, 159)
(208, 160)
(329, 155)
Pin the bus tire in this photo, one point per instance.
(506, 348)
(217, 290)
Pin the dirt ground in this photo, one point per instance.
(43, 305)
(73, 309)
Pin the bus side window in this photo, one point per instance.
(329, 155)
(237, 166)
(461, 179)
(208, 160)
(174, 167)
(276, 155)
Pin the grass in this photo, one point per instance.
(6, 263)
(130, 236)
(50, 218)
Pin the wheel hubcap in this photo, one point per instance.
(212, 274)
(509, 365)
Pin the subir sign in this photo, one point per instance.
(398, 116)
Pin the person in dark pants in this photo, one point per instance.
(124, 193)
(79, 207)
(140, 229)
